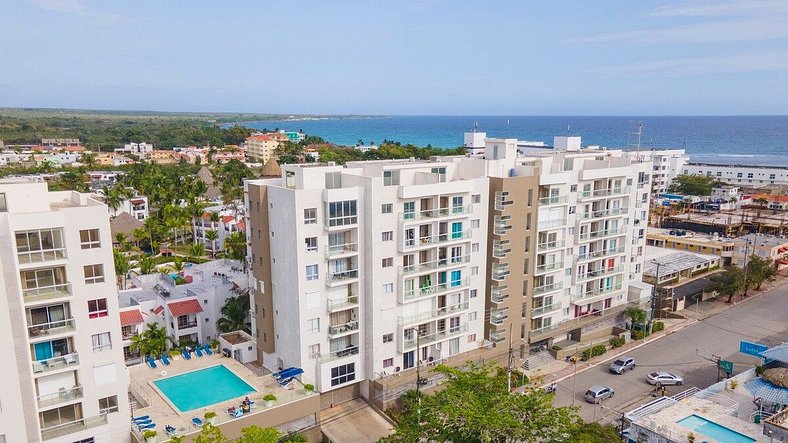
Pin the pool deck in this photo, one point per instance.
(163, 413)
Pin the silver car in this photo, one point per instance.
(663, 378)
(622, 365)
(597, 393)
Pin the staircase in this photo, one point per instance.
(537, 360)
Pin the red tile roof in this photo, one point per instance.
(185, 307)
(133, 317)
(263, 138)
(772, 198)
(158, 310)
(227, 219)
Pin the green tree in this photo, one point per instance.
(728, 282)
(235, 245)
(256, 434)
(234, 313)
(760, 270)
(122, 267)
(475, 406)
(88, 159)
(636, 315)
(196, 250)
(147, 265)
(153, 341)
(211, 434)
(594, 433)
(692, 184)
(212, 235)
(289, 153)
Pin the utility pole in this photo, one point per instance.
(511, 361)
(656, 292)
(746, 254)
(418, 375)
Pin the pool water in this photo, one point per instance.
(203, 387)
(713, 430)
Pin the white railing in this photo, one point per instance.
(603, 192)
(47, 292)
(436, 336)
(55, 363)
(602, 253)
(346, 248)
(342, 304)
(595, 292)
(436, 264)
(70, 427)
(435, 313)
(554, 200)
(437, 289)
(601, 272)
(51, 328)
(602, 233)
(451, 211)
(604, 213)
(61, 396)
(436, 239)
(546, 309)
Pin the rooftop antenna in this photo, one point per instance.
(637, 131)
(475, 126)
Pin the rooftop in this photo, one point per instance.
(670, 261)
(768, 241)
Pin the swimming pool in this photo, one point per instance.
(204, 387)
(713, 430)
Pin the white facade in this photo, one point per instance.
(139, 149)
(378, 251)
(667, 164)
(64, 378)
(741, 174)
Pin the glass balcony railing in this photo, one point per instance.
(438, 239)
(340, 276)
(342, 353)
(549, 267)
(435, 313)
(551, 224)
(436, 336)
(603, 233)
(544, 289)
(55, 363)
(596, 292)
(546, 309)
(612, 192)
(600, 272)
(61, 429)
(603, 213)
(497, 336)
(554, 200)
(434, 265)
(498, 317)
(51, 328)
(599, 254)
(347, 248)
(40, 256)
(550, 245)
(46, 292)
(61, 396)
(343, 329)
(499, 294)
(342, 304)
(437, 289)
(428, 214)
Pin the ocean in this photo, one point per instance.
(761, 140)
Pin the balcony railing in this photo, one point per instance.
(435, 313)
(41, 255)
(550, 245)
(436, 336)
(502, 202)
(500, 274)
(338, 222)
(338, 276)
(437, 289)
(544, 289)
(187, 324)
(437, 239)
(603, 192)
(603, 233)
(51, 328)
(546, 309)
(81, 424)
(342, 304)
(501, 251)
(343, 328)
(499, 294)
(46, 292)
(595, 292)
(551, 224)
(549, 267)
(497, 336)
(428, 214)
(498, 317)
(554, 200)
(61, 396)
(601, 272)
(436, 264)
(347, 248)
(55, 363)
(604, 213)
(335, 355)
(599, 254)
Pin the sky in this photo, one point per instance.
(417, 57)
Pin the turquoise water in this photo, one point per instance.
(713, 430)
(204, 387)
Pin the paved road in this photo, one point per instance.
(762, 319)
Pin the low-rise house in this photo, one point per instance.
(768, 247)
(692, 242)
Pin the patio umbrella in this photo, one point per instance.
(759, 387)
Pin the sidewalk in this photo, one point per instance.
(708, 308)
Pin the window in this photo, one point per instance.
(475, 270)
(313, 325)
(386, 208)
(472, 316)
(409, 210)
(40, 245)
(97, 308)
(739, 175)
(389, 362)
(456, 230)
(456, 205)
(476, 198)
(101, 342)
(749, 175)
(474, 247)
(390, 178)
(388, 262)
(387, 236)
(388, 288)
(310, 216)
(472, 338)
(473, 293)
(475, 223)
(94, 274)
(456, 277)
(343, 374)
(89, 238)
(342, 213)
(388, 338)
(311, 272)
(772, 176)
(311, 244)
(314, 351)
(108, 404)
(3, 206)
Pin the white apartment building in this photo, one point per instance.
(64, 378)
(140, 149)
(752, 175)
(355, 267)
(667, 164)
(225, 223)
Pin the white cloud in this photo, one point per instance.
(746, 8)
(765, 61)
(78, 7)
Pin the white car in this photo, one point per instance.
(663, 378)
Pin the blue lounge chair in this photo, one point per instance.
(186, 354)
(165, 361)
(171, 430)
(198, 351)
(196, 421)
(147, 426)
(151, 362)
(141, 418)
(207, 350)
(143, 423)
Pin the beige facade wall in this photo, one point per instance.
(262, 306)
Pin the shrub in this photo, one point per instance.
(617, 342)
(309, 387)
(586, 355)
(598, 350)
(269, 397)
(759, 370)
(209, 415)
(658, 326)
(637, 335)
(557, 348)
(149, 434)
(295, 438)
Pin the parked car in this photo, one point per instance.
(597, 393)
(622, 365)
(663, 378)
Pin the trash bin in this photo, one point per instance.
(757, 419)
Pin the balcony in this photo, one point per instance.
(549, 267)
(440, 288)
(498, 317)
(187, 324)
(344, 222)
(551, 224)
(550, 245)
(342, 304)
(435, 265)
(45, 293)
(554, 200)
(546, 289)
(333, 251)
(501, 202)
(343, 329)
(500, 251)
(602, 213)
(497, 336)
(499, 294)
(603, 233)
(336, 355)
(436, 313)
(52, 328)
(500, 274)
(438, 239)
(595, 292)
(612, 192)
(336, 278)
(437, 213)
(41, 256)
(81, 424)
(501, 227)
(600, 272)
(56, 363)
(61, 396)
(545, 309)
(436, 336)
(600, 254)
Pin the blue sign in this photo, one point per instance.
(750, 348)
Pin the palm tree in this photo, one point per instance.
(120, 238)
(234, 312)
(139, 235)
(112, 197)
(196, 250)
(635, 314)
(147, 265)
(153, 341)
(122, 267)
(212, 235)
(235, 245)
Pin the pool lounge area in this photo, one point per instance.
(707, 428)
(175, 394)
